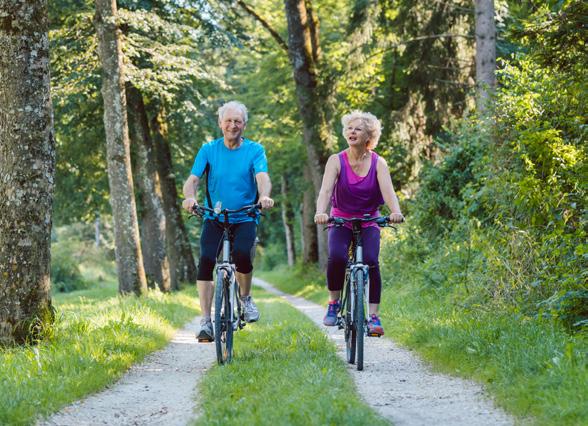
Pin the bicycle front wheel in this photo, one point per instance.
(349, 327)
(223, 328)
(360, 317)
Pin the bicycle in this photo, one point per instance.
(228, 313)
(352, 318)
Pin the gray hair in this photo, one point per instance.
(371, 123)
(234, 105)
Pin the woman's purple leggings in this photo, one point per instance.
(339, 241)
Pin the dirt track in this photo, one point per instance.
(401, 388)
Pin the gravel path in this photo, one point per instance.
(159, 391)
(406, 391)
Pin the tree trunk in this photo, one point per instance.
(309, 228)
(182, 266)
(485, 53)
(97, 235)
(152, 225)
(27, 168)
(129, 259)
(303, 49)
(288, 221)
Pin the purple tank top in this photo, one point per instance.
(355, 195)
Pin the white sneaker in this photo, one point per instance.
(250, 312)
(206, 334)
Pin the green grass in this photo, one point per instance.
(285, 372)
(303, 281)
(97, 336)
(532, 367)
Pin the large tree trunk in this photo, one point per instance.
(303, 48)
(182, 266)
(288, 221)
(27, 167)
(485, 53)
(129, 259)
(152, 224)
(309, 229)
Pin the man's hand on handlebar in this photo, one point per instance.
(266, 202)
(188, 204)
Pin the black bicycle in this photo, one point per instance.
(228, 314)
(355, 298)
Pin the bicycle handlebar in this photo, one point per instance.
(380, 220)
(251, 210)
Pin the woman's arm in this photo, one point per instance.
(329, 179)
(387, 189)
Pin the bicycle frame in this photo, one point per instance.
(228, 314)
(227, 270)
(355, 300)
(354, 266)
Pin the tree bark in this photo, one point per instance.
(303, 49)
(182, 266)
(129, 259)
(27, 168)
(97, 235)
(309, 228)
(152, 225)
(288, 221)
(485, 53)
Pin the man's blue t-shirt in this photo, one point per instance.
(231, 173)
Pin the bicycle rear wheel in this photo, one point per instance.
(359, 317)
(223, 328)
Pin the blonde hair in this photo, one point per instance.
(371, 123)
(234, 105)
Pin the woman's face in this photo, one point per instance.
(356, 133)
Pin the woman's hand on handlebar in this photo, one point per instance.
(396, 218)
(321, 218)
(188, 204)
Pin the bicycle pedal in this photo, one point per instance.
(374, 335)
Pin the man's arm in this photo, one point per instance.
(264, 187)
(190, 191)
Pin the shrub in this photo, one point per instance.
(65, 270)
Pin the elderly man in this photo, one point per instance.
(237, 176)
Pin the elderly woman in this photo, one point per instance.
(356, 181)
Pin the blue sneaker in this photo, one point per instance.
(374, 326)
(331, 318)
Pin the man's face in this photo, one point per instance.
(232, 124)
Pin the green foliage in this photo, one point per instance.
(65, 271)
(510, 197)
(170, 56)
(303, 280)
(76, 262)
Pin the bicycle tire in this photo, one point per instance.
(223, 329)
(349, 329)
(359, 318)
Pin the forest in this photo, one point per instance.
(104, 105)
